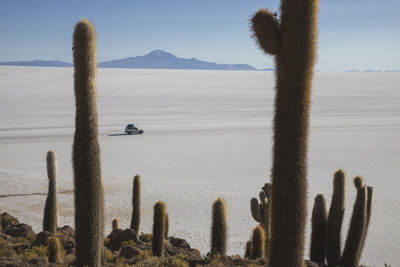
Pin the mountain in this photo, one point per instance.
(156, 59)
(159, 59)
(37, 63)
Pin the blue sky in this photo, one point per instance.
(353, 34)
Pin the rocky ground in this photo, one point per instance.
(20, 246)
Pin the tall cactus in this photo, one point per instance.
(50, 218)
(54, 249)
(158, 229)
(166, 224)
(219, 228)
(352, 249)
(292, 41)
(335, 219)
(370, 196)
(89, 212)
(135, 221)
(318, 233)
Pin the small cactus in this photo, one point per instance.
(219, 228)
(318, 233)
(158, 229)
(258, 241)
(115, 224)
(249, 249)
(54, 250)
(50, 218)
(135, 221)
(335, 219)
(352, 249)
(166, 224)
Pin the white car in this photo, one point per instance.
(132, 129)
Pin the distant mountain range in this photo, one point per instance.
(156, 59)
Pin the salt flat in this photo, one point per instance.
(207, 134)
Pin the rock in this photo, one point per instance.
(39, 262)
(19, 246)
(180, 243)
(11, 261)
(118, 236)
(8, 220)
(41, 238)
(66, 231)
(19, 230)
(66, 236)
(129, 252)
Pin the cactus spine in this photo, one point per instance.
(89, 212)
(219, 228)
(335, 218)
(54, 250)
(50, 218)
(318, 233)
(293, 42)
(158, 229)
(258, 241)
(135, 221)
(352, 249)
(115, 224)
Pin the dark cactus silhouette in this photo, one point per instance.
(335, 219)
(249, 249)
(219, 228)
(258, 241)
(50, 218)
(158, 229)
(318, 232)
(115, 224)
(54, 250)
(370, 196)
(166, 224)
(352, 249)
(135, 221)
(89, 212)
(292, 41)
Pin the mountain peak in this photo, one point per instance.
(159, 53)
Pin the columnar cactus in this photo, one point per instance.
(166, 224)
(249, 249)
(219, 228)
(115, 224)
(352, 249)
(135, 221)
(158, 229)
(335, 219)
(89, 214)
(292, 41)
(54, 250)
(50, 218)
(318, 232)
(370, 196)
(258, 241)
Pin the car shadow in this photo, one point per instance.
(123, 134)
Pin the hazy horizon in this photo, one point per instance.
(358, 35)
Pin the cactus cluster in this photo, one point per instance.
(326, 230)
(261, 212)
(292, 41)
